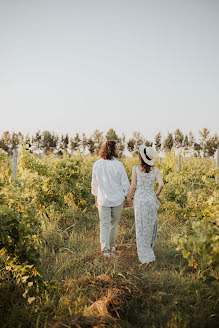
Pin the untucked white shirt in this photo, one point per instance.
(109, 182)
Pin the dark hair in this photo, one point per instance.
(108, 151)
(144, 166)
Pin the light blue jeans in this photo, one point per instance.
(109, 218)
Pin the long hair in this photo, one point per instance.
(144, 166)
(108, 151)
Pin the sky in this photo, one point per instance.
(133, 65)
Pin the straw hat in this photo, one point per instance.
(147, 154)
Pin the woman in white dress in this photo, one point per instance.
(146, 202)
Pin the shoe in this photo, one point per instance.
(106, 254)
(112, 249)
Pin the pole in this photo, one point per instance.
(179, 163)
(217, 164)
(14, 162)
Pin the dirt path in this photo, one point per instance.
(120, 292)
(165, 293)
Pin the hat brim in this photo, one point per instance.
(141, 151)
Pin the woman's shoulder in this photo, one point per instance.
(156, 171)
(100, 160)
(98, 163)
(117, 163)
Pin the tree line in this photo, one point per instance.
(47, 142)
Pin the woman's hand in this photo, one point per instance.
(129, 203)
(96, 202)
(158, 196)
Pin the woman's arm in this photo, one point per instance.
(96, 202)
(94, 185)
(124, 180)
(132, 187)
(160, 182)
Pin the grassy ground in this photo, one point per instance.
(117, 292)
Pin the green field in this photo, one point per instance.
(69, 283)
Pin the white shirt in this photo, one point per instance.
(109, 182)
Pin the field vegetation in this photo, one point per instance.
(52, 273)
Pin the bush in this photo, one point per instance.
(19, 234)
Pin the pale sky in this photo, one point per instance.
(132, 65)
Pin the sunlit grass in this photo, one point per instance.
(94, 292)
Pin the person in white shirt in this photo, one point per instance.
(109, 185)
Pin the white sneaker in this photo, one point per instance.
(113, 249)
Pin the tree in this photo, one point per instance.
(9, 141)
(191, 139)
(186, 142)
(204, 134)
(134, 143)
(112, 135)
(90, 144)
(84, 141)
(98, 140)
(178, 138)
(75, 143)
(212, 145)
(121, 145)
(49, 142)
(197, 149)
(16, 139)
(131, 145)
(5, 142)
(157, 142)
(139, 139)
(64, 142)
(168, 142)
(37, 140)
(148, 143)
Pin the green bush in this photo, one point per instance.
(19, 234)
(200, 246)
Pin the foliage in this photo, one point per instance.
(157, 142)
(51, 202)
(200, 246)
(168, 142)
(178, 138)
(19, 234)
(56, 183)
(112, 135)
(49, 142)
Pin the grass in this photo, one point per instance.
(91, 291)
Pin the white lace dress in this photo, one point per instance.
(146, 205)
